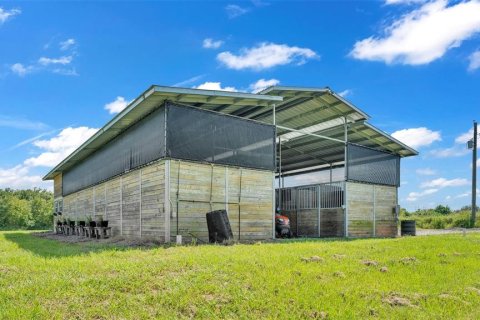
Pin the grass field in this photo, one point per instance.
(424, 278)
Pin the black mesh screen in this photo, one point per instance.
(372, 166)
(138, 145)
(195, 134)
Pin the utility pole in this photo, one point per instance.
(474, 174)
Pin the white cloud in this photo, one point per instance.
(454, 151)
(44, 61)
(117, 105)
(188, 81)
(443, 183)
(209, 43)
(21, 123)
(403, 1)
(18, 177)
(66, 71)
(67, 44)
(263, 84)
(426, 172)
(53, 150)
(215, 86)
(474, 61)
(463, 195)
(21, 70)
(234, 10)
(423, 35)
(59, 147)
(7, 14)
(414, 196)
(266, 55)
(417, 137)
(345, 93)
(464, 137)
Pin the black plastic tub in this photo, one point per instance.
(408, 228)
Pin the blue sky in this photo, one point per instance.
(414, 66)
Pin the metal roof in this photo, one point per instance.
(317, 111)
(153, 98)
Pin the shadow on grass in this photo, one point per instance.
(49, 248)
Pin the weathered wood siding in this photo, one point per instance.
(132, 203)
(304, 223)
(332, 223)
(385, 201)
(370, 210)
(57, 186)
(196, 189)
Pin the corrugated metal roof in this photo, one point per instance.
(310, 110)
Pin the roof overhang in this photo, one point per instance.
(152, 99)
(310, 122)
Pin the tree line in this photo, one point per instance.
(26, 209)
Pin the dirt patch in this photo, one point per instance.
(383, 269)
(397, 300)
(370, 263)
(409, 260)
(313, 259)
(339, 256)
(339, 274)
(473, 289)
(318, 315)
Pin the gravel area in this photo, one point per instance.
(429, 232)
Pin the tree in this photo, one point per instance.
(443, 209)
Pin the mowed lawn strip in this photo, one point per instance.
(417, 278)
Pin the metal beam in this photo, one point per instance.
(310, 134)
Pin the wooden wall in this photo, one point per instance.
(370, 210)
(197, 188)
(57, 186)
(132, 203)
(304, 223)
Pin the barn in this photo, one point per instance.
(173, 154)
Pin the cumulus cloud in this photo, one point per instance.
(263, 84)
(443, 183)
(417, 137)
(209, 43)
(215, 86)
(414, 196)
(426, 172)
(7, 14)
(44, 61)
(53, 151)
(59, 147)
(474, 61)
(422, 35)
(21, 70)
(464, 137)
(345, 93)
(265, 55)
(67, 44)
(117, 105)
(234, 10)
(19, 177)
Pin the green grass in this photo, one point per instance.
(439, 221)
(41, 278)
